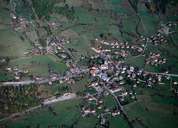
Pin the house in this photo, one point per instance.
(115, 113)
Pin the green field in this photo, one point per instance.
(67, 113)
(39, 65)
(154, 109)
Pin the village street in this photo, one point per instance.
(44, 80)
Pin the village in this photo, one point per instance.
(109, 75)
(86, 63)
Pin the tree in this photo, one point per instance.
(134, 4)
(159, 6)
(42, 8)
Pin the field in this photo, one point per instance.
(153, 108)
(67, 113)
(39, 65)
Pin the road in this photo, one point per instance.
(14, 83)
(48, 79)
(43, 81)
(119, 106)
(45, 102)
(164, 74)
(61, 98)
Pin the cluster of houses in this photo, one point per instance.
(168, 28)
(156, 39)
(122, 70)
(119, 78)
(94, 106)
(117, 48)
(175, 84)
(163, 32)
(111, 77)
(54, 25)
(19, 23)
(89, 109)
(23, 25)
(17, 73)
(56, 44)
(36, 51)
(4, 60)
(155, 59)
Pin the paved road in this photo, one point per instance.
(45, 102)
(120, 107)
(14, 83)
(164, 74)
(43, 81)
(61, 98)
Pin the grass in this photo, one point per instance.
(38, 65)
(87, 122)
(119, 122)
(11, 45)
(153, 111)
(109, 102)
(80, 85)
(137, 61)
(4, 76)
(67, 113)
